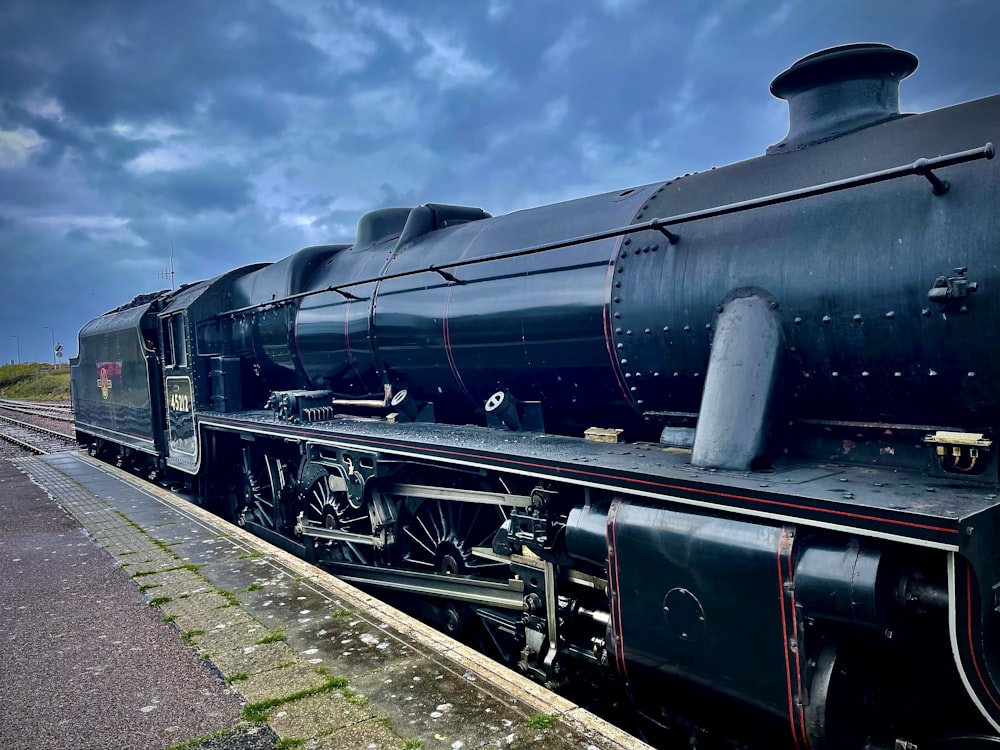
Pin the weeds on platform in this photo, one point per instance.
(257, 712)
(197, 742)
(229, 596)
(188, 636)
(275, 636)
(354, 698)
(187, 566)
(541, 721)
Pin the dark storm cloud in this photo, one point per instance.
(17, 76)
(253, 113)
(78, 237)
(207, 187)
(114, 60)
(25, 189)
(49, 129)
(59, 137)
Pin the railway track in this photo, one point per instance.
(57, 411)
(34, 438)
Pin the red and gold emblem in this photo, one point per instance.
(105, 372)
(104, 382)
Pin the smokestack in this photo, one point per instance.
(839, 90)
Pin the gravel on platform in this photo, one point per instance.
(84, 661)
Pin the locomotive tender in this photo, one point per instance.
(727, 440)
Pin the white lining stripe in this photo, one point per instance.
(953, 633)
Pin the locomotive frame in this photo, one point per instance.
(758, 548)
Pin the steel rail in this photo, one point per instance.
(37, 450)
(35, 428)
(48, 441)
(61, 413)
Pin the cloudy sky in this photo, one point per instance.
(236, 132)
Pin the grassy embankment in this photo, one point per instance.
(35, 382)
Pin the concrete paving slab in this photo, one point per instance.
(227, 629)
(351, 724)
(282, 682)
(188, 611)
(250, 658)
(434, 703)
(180, 581)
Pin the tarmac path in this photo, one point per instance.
(84, 661)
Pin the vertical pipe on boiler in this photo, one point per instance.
(739, 385)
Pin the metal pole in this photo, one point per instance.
(17, 341)
(53, 335)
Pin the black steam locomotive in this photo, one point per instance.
(726, 440)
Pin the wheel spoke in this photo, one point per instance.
(415, 561)
(263, 478)
(432, 538)
(269, 517)
(406, 530)
(488, 538)
(446, 513)
(358, 556)
(475, 517)
(329, 508)
(441, 534)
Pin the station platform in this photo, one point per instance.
(255, 648)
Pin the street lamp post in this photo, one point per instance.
(53, 335)
(17, 342)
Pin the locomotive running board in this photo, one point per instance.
(509, 595)
(880, 504)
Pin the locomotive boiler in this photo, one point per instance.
(723, 443)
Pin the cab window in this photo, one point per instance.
(174, 341)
